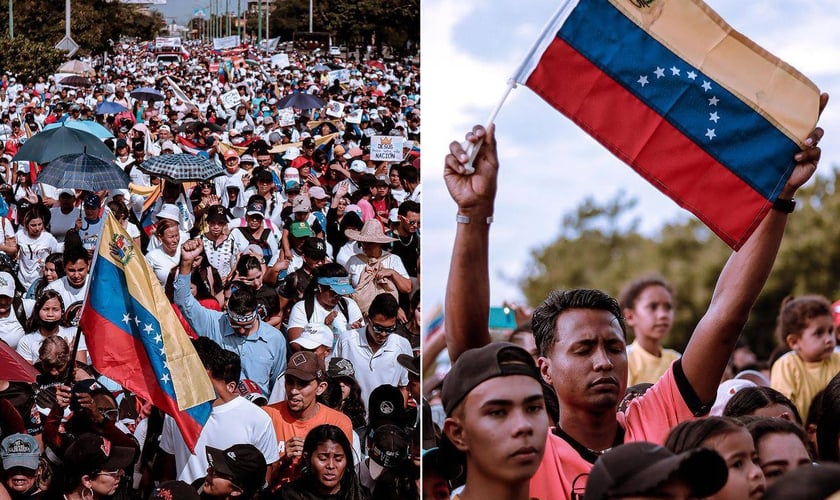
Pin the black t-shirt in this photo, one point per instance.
(408, 250)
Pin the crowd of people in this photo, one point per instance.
(295, 273)
(569, 407)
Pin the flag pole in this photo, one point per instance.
(472, 149)
(72, 363)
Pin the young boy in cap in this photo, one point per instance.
(330, 303)
(291, 291)
(496, 422)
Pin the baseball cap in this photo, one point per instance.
(92, 452)
(67, 192)
(256, 206)
(339, 284)
(386, 405)
(300, 229)
(216, 213)
(169, 490)
(637, 468)
(291, 153)
(262, 175)
(306, 366)
(231, 153)
(91, 201)
(358, 166)
(820, 480)
(315, 335)
(20, 450)
(243, 463)
(318, 193)
(388, 448)
(410, 363)
(7, 284)
(314, 248)
(169, 211)
(301, 203)
(340, 367)
(474, 366)
(249, 390)
(354, 152)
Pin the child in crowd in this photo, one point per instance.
(648, 307)
(806, 326)
(731, 439)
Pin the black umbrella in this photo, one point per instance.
(85, 172)
(147, 94)
(300, 100)
(75, 81)
(47, 145)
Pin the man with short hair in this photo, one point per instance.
(233, 420)
(373, 349)
(73, 285)
(239, 329)
(314, 253)
(581, 333)
(407, 244)
(496, 421)
(306, 379)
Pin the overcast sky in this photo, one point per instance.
(182, 10)
(548, 166)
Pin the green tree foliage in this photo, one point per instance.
(600, 246)
(93, 22)
(354, 22)
(27, 58)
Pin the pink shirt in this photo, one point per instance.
(648, 418)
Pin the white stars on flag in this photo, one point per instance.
(687, 77)
(152, 339)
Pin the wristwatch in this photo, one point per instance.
(784, 206)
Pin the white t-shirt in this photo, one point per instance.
(31, 342)
(161, 263)
(69, 294)
(61, 223)
(297, 317)
(11, 330)
(32, 253)
(356, 266)
(349, 249)
(236, 422)
(90, 233)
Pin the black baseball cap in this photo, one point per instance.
(92, 452)
(638, 468)
(243, 463)
(386, 405)
(474, 366)
(314, 248)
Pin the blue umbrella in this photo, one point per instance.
(47, 145)
(321, 67)
(147, 94)
(109, 108)
(301, 100)
(88, 126)
(85, 172)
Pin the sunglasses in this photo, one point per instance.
(383, 329)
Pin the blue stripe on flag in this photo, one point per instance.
(741, 139)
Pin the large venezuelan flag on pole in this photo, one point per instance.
(134, 337)
(703, 113)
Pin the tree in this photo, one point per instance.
(27, 58)
(599, 246)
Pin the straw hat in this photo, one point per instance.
(371, 233)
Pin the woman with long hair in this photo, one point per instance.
(328, 471)
(53, 270)
(46, 322)
(34, 245)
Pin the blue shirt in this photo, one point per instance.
(262, 353)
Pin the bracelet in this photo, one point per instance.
(784, 206)
(463, 219)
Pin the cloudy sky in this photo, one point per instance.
(548, 166)
(182, 10)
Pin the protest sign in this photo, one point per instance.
(280, 60)
(286, 117)
(231, 99)
(342, 75)
(386, 148)
(227, 42)
(335, 108)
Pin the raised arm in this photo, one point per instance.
(739, 284)
(467, 305)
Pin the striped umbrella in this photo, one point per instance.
(182, 167)
(85, 172)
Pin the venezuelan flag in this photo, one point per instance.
(702, 112)
(134, 337)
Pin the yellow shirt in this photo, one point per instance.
(644, 367)
(801, 381)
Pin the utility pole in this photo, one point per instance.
(12, 19)
(259, 22)
(227, 17)
(310, 16)
(239, 19)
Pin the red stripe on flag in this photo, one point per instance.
(123, 359)
(629, 128)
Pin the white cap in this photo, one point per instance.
(291, 153)
(169, 211)
(7, 285)
(314, 335)
(358, 166)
